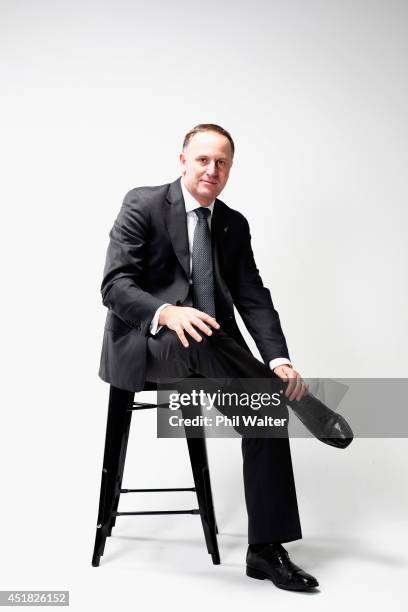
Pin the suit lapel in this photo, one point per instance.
(219, 233)
(176, 222)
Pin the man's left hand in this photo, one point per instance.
(296, 387)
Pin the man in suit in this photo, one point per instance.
(179, 259)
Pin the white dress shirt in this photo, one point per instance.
(191, 204)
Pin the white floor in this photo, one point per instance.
(353, 514)
(175, 572)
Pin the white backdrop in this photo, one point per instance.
(96, 98)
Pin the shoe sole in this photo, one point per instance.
(258, 575)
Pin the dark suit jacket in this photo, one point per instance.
(147, 265)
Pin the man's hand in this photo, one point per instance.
(182, 318)
(296, 388)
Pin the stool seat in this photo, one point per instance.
(121, 406)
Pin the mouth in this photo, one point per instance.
(209, 182)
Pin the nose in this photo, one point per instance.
(212, 168)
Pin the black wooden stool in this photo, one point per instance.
(121, 405)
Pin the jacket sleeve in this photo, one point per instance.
(254, 303)
(125, 259)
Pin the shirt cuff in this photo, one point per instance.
(274, 363)
(154, 326)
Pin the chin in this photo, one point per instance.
(208, 190)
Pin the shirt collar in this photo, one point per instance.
(190, 202)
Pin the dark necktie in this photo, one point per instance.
(202, 267)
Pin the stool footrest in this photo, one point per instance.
(157, 490)
(146, 406)
(194, 511)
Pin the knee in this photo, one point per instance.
(170, 347)
(171, 344)
(199, 345)
(204, 344)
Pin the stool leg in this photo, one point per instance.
(120, 401)
(123, 449)
(199, 464)
(209, 495)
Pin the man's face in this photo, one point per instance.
(205, 165)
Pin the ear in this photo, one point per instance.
(182, 159)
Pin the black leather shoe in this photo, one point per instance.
(325, 424)
(272, 562)
(338, 432)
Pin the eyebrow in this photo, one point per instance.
(218, 159)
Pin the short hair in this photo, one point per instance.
(208, 127)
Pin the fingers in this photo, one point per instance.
(291, 387)
(186, 326)
(187, 319)
(202, 326)
(209, 320)
(296, 387)
(302, 391)
(289, 375)
(180, 332)
(190, 329)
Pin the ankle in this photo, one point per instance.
(258, 547)
(255, 548)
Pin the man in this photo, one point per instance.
(179, 259)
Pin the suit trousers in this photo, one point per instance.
(269, 485)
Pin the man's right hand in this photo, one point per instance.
(182, 319)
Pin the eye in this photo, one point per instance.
(221, 162)
(203, 160)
